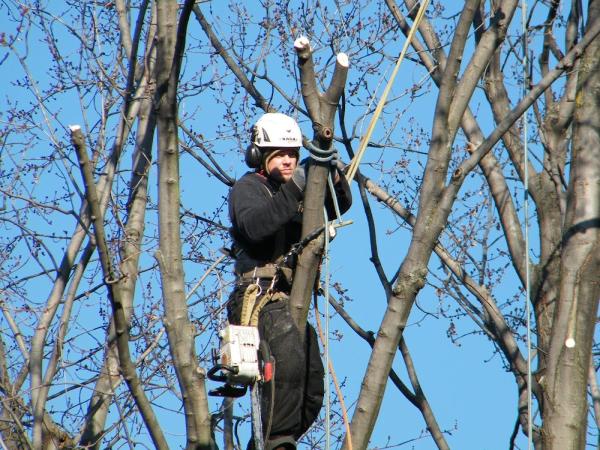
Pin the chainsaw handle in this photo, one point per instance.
(222, 377)
(268, 362)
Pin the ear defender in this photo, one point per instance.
(253, 156)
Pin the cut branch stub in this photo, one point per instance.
(321, 110)
(302, 46)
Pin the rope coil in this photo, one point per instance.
(322, 154)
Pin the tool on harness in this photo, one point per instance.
(240, 362)
(237, 363)
(245, 359)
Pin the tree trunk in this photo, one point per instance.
(413, 272)
(321, 110)
(565, 396)
(180, 330)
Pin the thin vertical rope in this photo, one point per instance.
(326, 340)
(526, 211)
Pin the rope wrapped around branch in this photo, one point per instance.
(323, 155)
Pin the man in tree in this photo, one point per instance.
(265, 208)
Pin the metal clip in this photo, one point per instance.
(259, 293)
(272, 286)
(256, 280)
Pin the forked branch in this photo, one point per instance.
(321, 110)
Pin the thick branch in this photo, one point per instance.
(495, 320)
(442, 137)
(130, 253)
(180, 331)
(574, 324)
(418, 398)
(121, 325)
(489, 164)
(565, 64)
(490, 41)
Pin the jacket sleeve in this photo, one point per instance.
(256, 213)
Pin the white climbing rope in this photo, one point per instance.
(366, 138)
(326, 295)
(326, 341)
(526, 212)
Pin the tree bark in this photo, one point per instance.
(103, 188)
(180, 330)
(413, 271)
(434, 207)
(109, 378)
(565, 397)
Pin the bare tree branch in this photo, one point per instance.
(114, 294)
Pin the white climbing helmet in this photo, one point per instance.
(276, 130)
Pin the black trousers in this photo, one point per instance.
(298, 377)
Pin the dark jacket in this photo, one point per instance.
(266, 217)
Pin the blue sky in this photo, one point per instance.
(472, 395)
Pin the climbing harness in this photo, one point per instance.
(243, 359)
(236, 363)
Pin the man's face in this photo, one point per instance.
(282, 163)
